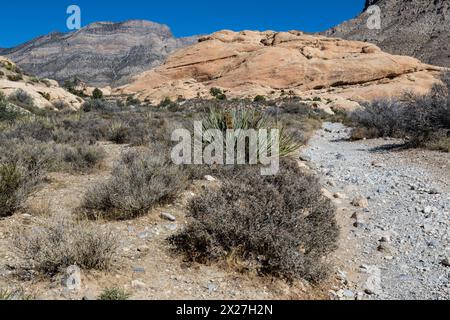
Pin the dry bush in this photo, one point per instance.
(22, 167)
(81, 157)
(423, 121)
(280, 225)
(140, 181)
(57, 243)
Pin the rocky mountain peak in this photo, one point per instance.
(100, 54)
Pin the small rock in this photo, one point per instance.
(210, 178)
(89, 297)
(384, 248)
(360, 202)
(327, 194)
(385, 239)
(137, 284)
(143, 249)
(359, 224)
(168, 216)
(348, 294)
(72, 278)
(373, 283)
(331, 183)
(339, 195)
(212, 287)
(305, 158)
(171, 226)
(427, 228)
(377, 164)
(433, 191)
(446, 262)
(427, 210)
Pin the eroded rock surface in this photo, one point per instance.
(248, 63)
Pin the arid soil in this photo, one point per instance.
(147, 268)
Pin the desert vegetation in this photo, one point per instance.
(422, 121)
(278, 225)
(59, 242)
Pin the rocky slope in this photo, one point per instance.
(43, 93)
(100, 54)
(249, 63)
(417, 28)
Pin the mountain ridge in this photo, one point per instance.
(100, 54)
(416, 28)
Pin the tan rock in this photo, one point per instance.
(44, 92)
(249, 63)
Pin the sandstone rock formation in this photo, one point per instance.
(100, 54)
(417, 28)
(249, 63)
(44, 93)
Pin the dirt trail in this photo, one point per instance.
(395, 247)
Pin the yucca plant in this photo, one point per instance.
(118, 132)
(247, 119)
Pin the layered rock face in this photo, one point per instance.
(44, 93)
(249, 63)
(100, 54)
(417, 28)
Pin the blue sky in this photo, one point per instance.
(23, 20)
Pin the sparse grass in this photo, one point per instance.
(114, 294)
(57, 243)
(139, 182)
(278, 225)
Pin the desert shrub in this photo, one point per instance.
(139, 181)
(14, 77)
(81, 157)
(381, 118)
(132, 101)
(22, 168)
(247, 119)
(423, 121)
(278, 225)
(57, 243)
(22, 97)
(7, 113)
(37, 129)
(218, 94)
(114, 294)
(99, 105)
(97, 94)
(259, 98)
(60, 105)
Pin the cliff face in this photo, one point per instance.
(100, 54)
(417, 28)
